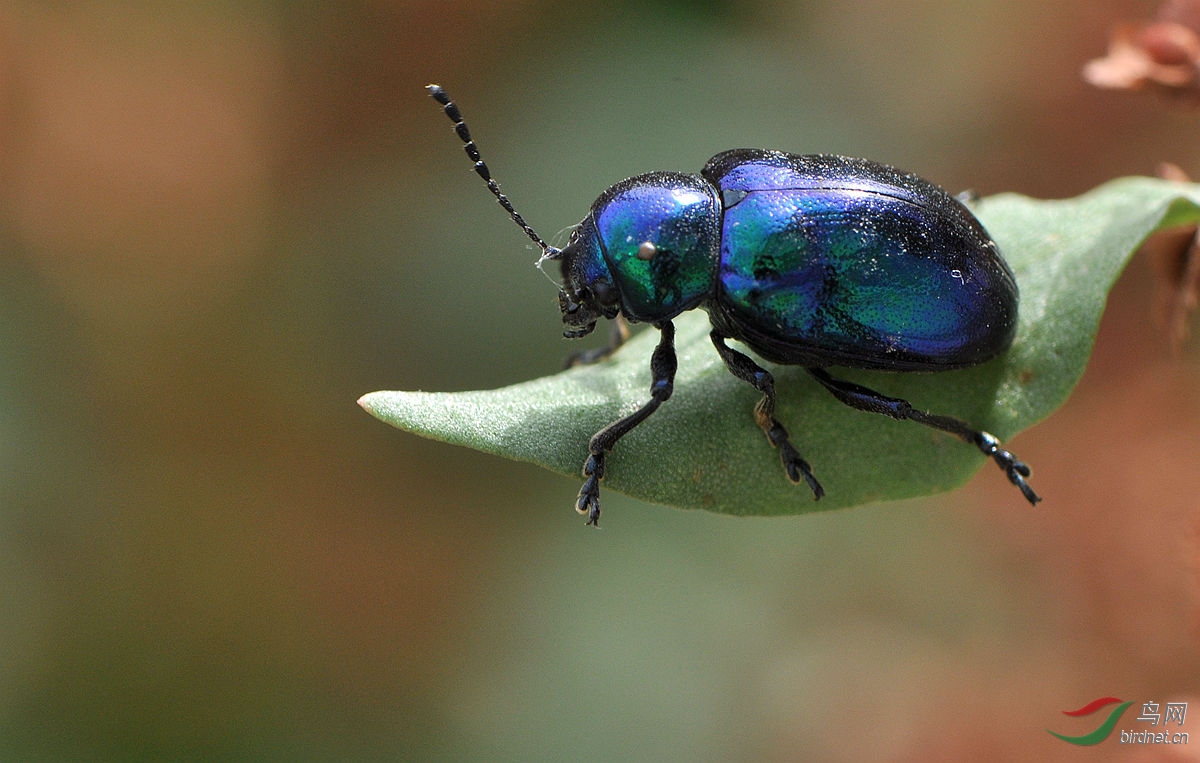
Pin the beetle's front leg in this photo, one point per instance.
(662, 367)
(864, 399)
(747, 370)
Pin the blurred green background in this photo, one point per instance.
(221, 223)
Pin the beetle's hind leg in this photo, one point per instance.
(618, 334)
(857, 396)
(663, 365)
(747, 370)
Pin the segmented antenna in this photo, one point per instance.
(481, 169)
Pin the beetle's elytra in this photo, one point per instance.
(812, 260)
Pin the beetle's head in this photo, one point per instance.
(648, 249)
(588, 293)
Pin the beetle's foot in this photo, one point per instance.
(589, 501)
(1016, 470)
(798, 469)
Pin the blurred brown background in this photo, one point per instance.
(221, 223)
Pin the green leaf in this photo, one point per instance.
(702, 448)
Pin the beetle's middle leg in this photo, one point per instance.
(864, 399)
(747, 370)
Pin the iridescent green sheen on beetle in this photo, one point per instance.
(811, 260)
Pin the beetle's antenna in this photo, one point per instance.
(481, 169)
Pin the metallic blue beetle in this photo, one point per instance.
(807, 260)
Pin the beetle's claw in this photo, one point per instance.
(817, 490)
(798, 469)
